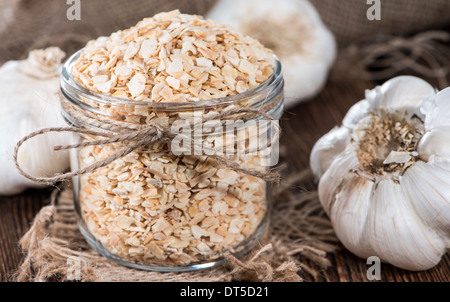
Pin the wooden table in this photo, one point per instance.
(302, 126)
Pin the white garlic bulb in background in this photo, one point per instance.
(294, 31)
(385, 174)
(29, 101)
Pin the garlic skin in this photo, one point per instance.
(29, 100)
(294, 31)
(384, 175)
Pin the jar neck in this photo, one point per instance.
(267, 97)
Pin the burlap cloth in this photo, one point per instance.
(348, 21)
(31, 24)
(404, 41)
(297, 243)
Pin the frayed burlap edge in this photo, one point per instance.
(298, 241)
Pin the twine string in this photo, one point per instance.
(135, 136)
(426, 53)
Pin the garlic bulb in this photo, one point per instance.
(29, 101)
(294, 31)
(385, 174)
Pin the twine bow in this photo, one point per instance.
(134, 137)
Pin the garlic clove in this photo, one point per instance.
(349, 214)
(435, 142)
(391, 218)
(437, 110)
(327, 148)
(332, 178)
(36, 156)
(358, 111)
(403, 93)
(427, 185)
(12, 182)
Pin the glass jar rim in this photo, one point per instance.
(70, 86)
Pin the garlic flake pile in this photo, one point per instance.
(385, 174)
(294, 31)
(29, 101)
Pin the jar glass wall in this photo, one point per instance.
(163, 208)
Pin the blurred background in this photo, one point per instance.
(369, 44)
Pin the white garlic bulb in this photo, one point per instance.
(29, 101)
(294, 31)
(385, 174)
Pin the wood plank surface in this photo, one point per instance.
(302, 126)
(16, 214)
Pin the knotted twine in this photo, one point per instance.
(135, 136)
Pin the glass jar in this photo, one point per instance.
(161, 208)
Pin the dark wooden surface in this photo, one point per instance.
(302, 126)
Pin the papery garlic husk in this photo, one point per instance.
(294, 31)
(29, 99)
(384, 175)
